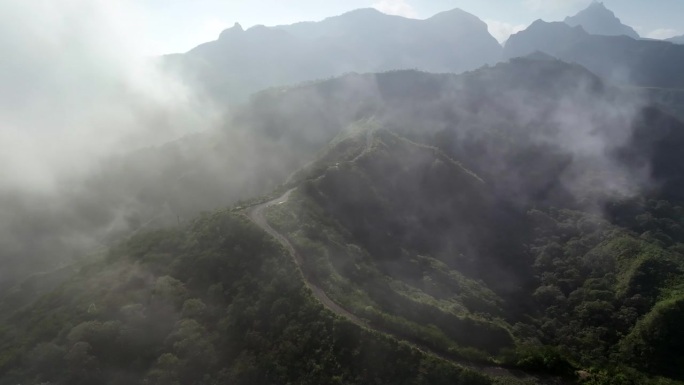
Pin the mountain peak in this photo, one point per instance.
(599, 20)
(234, 30)
(456, 15)
(597, 5)
(453, 12)
(362, 12)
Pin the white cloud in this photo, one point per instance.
(662, 33)
(396, 7)
(502, 30)
(76, 88)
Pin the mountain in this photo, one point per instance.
(523, 216)
(618, 59)
(241, 62)
(676, 39)
(599, 20)
(514, 192)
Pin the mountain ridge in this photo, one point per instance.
(244, 61)
(599, 20)
(618, 59)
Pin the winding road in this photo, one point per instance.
(256, 215)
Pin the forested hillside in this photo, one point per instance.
(547, 289)
(522, 219)
(515, 207)
(392, 195)
(214, 302)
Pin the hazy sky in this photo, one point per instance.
(178, 25)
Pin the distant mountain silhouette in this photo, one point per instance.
(599, 20)
(619, 59)
(366, 40)
(541, 36)
(676, 39)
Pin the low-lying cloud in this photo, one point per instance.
(76, 93)
(662, 33)
(76, 87)
(396, 7)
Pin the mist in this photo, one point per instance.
(77, 87)
(78, 91)
(100, 141)
(288, 204)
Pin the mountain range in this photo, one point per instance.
(620, 59)
(518, 222)
(241, 62)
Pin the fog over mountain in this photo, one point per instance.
(483, 217)
(599, 20)
(76, 92)
(367, 199)
(241, 62)
(76, 87)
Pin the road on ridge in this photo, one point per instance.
(256, 215)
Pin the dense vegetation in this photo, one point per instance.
(525, 215)
(566, 262)
(584, 292)
(216, 302)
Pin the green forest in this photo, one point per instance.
(585, 294)
(218, 298)
(503, 226)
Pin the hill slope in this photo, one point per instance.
(214, 302)
(401, 234)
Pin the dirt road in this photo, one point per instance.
(256, 215)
